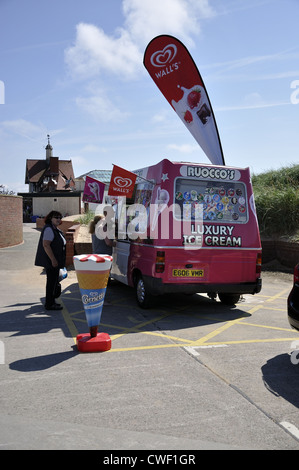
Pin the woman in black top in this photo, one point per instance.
(100, 244)
(51, 255)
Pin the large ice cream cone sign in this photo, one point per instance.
(93, 273)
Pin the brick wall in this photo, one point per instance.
(71, 237)
(278, 250)
(83, 248)
(11, 220)
(64, 226)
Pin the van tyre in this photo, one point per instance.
(229, 299)
(143, 297)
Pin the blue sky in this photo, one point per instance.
(74, 69)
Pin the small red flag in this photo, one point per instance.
(122, 182)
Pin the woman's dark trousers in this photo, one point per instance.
(52, 280)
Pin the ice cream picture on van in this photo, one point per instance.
(161, 202)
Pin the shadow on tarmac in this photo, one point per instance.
(38, 363)
(281, 378)
(170, 312)
(31, 320)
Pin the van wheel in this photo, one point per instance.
(143, 297)
(229, 299)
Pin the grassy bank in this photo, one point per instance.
(277, 202)
(86, 218)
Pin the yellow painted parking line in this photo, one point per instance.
(264, 307)
(279, 295)
(261, 295)
(69, 317)
(150, 333)
(248, 341)
(162, 335)
(69, 322)
(206, 340)
(165, 346)
(136, 328)
(80, 320)
(70, 297)
(78, 312)
(255, 309)
(153, 346)
(216, 332)
(268, 327)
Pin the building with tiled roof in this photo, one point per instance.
(50, 174)
(51, 187)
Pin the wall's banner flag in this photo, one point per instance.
(173, 70)
(122, 182)
(93, 190)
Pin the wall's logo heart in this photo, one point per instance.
(122, 182)
(161, 58)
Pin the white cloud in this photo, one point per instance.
(27, 129)
(95, 52)
(161, 116)
(100, 107)
(184, 148)
(80, 162)
(148, 18)
(93, 149)
(254, 105)
(253, 99)
(24, 128)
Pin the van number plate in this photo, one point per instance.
(188, 272)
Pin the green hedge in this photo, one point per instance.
(277, 201)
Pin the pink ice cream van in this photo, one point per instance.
(191, 228)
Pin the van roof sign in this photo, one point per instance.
(218, 173)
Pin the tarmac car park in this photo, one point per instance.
(188, 373)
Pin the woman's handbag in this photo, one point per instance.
(62, 275)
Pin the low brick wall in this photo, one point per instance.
(83, 248)
(40, 222)
(11, 220)
(286, 253)
(71, 237)
(64, 226)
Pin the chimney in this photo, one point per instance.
(54, 166)
(49, 149)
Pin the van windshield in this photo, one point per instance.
(217, 201)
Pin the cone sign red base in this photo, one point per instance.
(86, 343)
